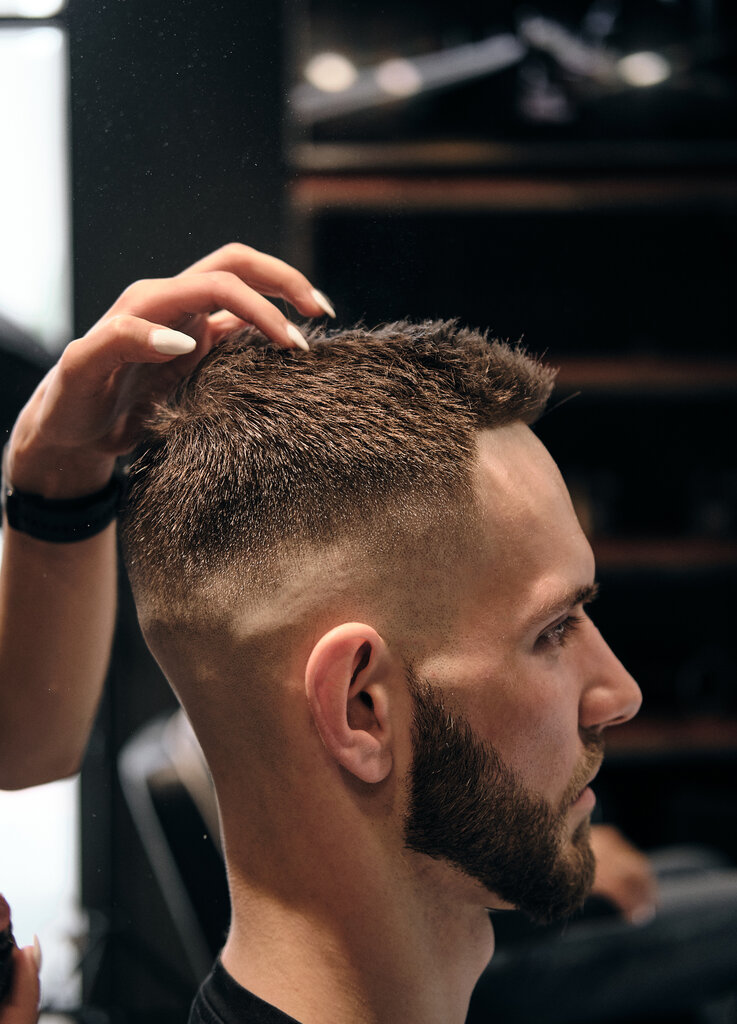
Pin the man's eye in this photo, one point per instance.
(559, 634)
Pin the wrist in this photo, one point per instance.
(60, 520)
(55, 472)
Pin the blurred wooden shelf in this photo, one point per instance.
(677, 554)
(706, 734)
(647, 375)
(319, 193)
(466, 154)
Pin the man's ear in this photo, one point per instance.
(347, 684)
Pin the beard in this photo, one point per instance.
(467, 807)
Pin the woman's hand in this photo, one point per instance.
(21, 1004)
(89, 407)
(624, 875)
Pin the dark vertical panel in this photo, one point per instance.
(176, 148)
(176, 136)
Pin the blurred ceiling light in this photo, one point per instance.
(402, 78)
(573, 53)
(643, 69)
(30, 8)
(399, 77)
(330, 72)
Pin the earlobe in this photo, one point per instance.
(346, 684)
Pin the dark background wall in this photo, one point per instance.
(176, 121)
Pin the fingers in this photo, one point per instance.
(631, 887)
(234, 280)
(267, 275)
(122, 339)
(643, 897)
(624, 875)
(177, 300)
(223, 322)
(225, 290)
(21, 1005)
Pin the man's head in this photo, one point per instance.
(352, 560)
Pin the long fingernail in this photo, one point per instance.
(297, 337)
(37, 955)
(323, 302)
(172, 343)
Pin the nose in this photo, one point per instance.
(610, 695)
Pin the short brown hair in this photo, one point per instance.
(263, 449)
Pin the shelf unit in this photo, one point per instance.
(700, 736)
(387, 192)
(664, 555)
(652, 376)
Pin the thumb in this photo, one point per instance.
(21, 1006)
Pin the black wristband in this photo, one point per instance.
(61, 520)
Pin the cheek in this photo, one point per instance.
(533, 729)
(527, 710)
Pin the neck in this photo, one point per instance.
(369, 952)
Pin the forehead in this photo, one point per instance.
(531, 547)
(517, 480)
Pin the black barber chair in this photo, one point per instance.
(170, 796)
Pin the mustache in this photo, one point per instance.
(593, 755)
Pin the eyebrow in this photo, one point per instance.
(581, 595)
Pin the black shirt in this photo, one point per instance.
(221, 1000)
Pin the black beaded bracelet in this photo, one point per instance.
(61, 520)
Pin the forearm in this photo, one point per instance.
(57, 612)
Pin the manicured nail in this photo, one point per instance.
(172, 343)
(296, 336)
(323, 302)
(37, 956)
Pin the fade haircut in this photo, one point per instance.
(265, 453)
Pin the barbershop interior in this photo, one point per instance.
(561, 174)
